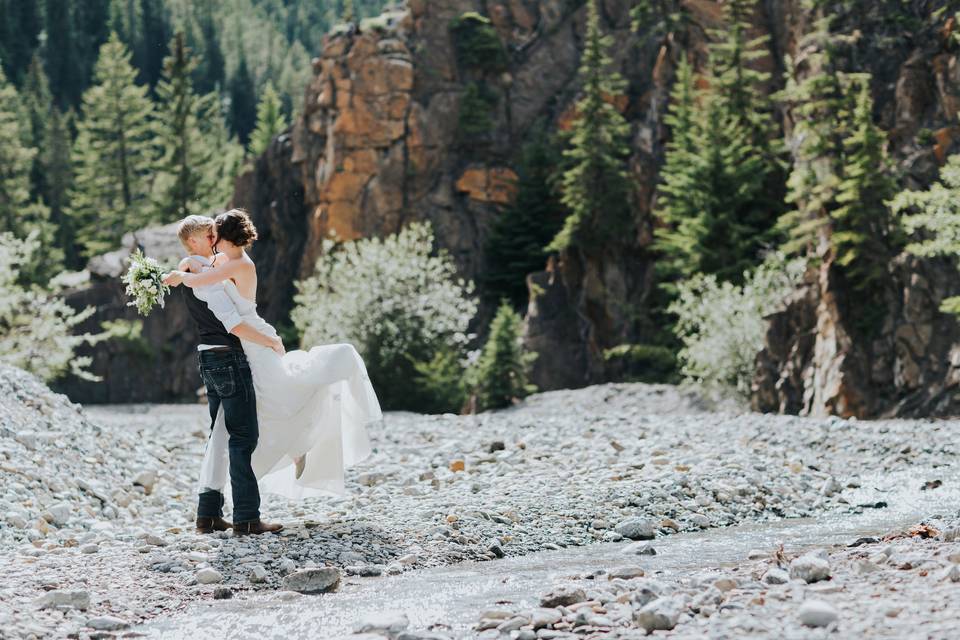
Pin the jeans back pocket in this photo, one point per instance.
(220, 380)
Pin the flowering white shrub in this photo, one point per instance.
(36, 326)
(721, 325)
(395, 300)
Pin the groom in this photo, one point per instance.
(226, 376)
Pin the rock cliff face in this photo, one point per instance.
(379, 144)
(814, 361)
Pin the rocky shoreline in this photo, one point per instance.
(97, 504)
(905, 586)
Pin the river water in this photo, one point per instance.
(450, 598)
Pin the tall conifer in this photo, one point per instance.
(270, 121)
(21, 214)
(523, 228)
(722, 175)
(184, 118)
(243, 102)
(114, 153)
(595, 186)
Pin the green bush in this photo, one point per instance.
(440, 382)
(642, 363)
(500, 375)
(473, 120)
(477, 43)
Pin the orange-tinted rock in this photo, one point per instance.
(496, 184)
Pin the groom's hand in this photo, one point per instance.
(173, 279)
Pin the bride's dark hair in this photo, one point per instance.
(235, 226)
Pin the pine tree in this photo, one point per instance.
(681, 199)
(219, 176)
(270, 122)
(863, 230)
(595, 186)
(932, 217)
(114, 153)
(721, 179)
(348, 15)
(37, 102)
(184, 119)
(501, 371)
(61, 52)
(521, 230)
(209, 74)
(243, 102)
(19, 33)
(20, 214)
(840, 177)
(55, 158)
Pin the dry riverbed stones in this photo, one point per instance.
(102, 500)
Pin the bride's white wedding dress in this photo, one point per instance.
(317, 402)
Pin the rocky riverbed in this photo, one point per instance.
(904, 586)
(97, 505)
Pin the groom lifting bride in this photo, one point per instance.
(284, 423)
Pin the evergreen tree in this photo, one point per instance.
(19, 33)
(55, 160)
(863, 234)
(270, 122)
(219, 176)
(243, 102)
(113, 153)
(721, 178)
(348, 15)
(37, 102)
(209, 74)
(932, 217)
(61, 52)
(595, 186)
(183, 185)
(681, 199)
(521, 230)
(20, 214)
(840, 180)
(142, 26)
(501, 371)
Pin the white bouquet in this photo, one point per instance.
(144, 280)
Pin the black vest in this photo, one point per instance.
(210, 329)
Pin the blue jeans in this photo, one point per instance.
(226, 375)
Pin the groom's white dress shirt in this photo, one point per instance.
(219, 303)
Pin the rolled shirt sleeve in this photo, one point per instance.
(220, 305)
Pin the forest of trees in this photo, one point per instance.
(120, 113)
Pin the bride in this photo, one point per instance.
(312, 406)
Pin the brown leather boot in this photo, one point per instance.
(209, 525)
(255, 528)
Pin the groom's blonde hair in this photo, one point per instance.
(192, 225)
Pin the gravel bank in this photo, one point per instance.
(97, 506)
(905, 586)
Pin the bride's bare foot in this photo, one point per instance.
(301, 463)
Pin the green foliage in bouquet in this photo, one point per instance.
(144, 280)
